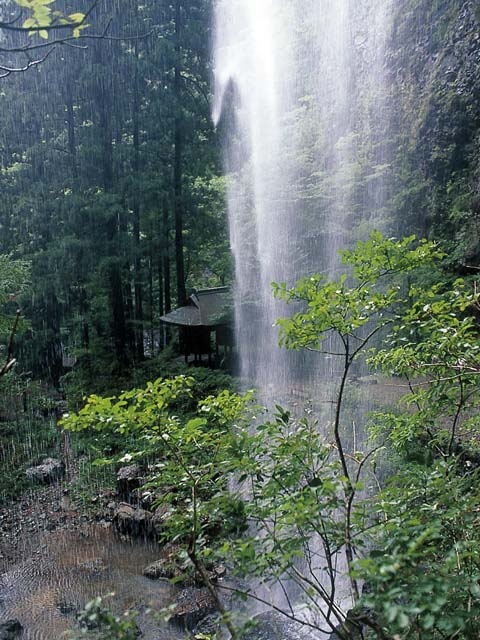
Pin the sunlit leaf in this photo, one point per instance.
(76, 17)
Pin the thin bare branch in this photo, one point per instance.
(73, 39)
(7, 71)
(285, 614)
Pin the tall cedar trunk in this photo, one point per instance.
(53, 346)
(166, 261)
(127, 281)
(72, 144)
(83, 309)
(129, 313)
(137, 263)
(118, 314)
(164, 270)
(177, 163)
(150, 299)
(161, 305)
(114, 276)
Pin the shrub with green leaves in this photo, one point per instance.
(316, 533)
(190, 457)
(14, 279)
(423, 577)
(97, 622)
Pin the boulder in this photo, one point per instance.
(193, 605)
(10, 630)
(129, 480)
(160, 518)
(173, 564)
(208, 626)
(161, 569)
(146, 498)
(133, 521)
(273, 626)
(51, 470)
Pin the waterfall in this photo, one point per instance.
(301, 97)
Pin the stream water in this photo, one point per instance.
(62, 570)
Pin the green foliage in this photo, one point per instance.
(414, 542)
(98, 623)
(116, 423)
(435, 348)
(42, 18)
(296, 487)
(14, 280)
(354, 302)
(190, 456)
(422, 579)
(206, 381)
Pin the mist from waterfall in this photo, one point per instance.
(301, 94)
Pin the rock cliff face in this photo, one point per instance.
(434, 67)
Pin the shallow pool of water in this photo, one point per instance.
(57, 577)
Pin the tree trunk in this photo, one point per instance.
(178, 160)
(137, 263)
(166, 262)
(72, 145)
(114, 283)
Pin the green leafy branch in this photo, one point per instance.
(42, 19)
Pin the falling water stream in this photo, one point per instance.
(300, 91)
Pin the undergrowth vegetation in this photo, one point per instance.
(28, 432)
(392, 557)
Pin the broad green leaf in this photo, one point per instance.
(76, 17)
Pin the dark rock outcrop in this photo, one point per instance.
(161, 569)
(133, 521)
(192, 606)
(10, 630)
(208, 626)
(129, 480)
(173, 564)
(51, 470)
(160, 517)
(170, 564)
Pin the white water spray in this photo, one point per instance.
(300, 86)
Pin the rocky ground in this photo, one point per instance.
(46, 508)
(25, 528)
